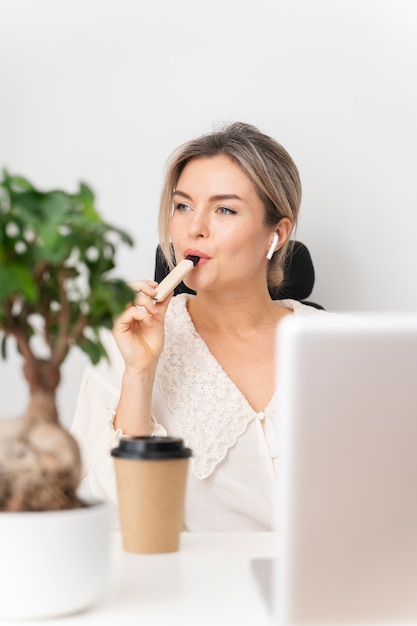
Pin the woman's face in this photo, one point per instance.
(218, 216)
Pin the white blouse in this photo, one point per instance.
(232, 480)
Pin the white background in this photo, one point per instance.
(104, 90)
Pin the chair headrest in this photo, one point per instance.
(299, 274)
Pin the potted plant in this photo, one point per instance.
(56, 292)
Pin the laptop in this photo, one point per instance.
(347, 513)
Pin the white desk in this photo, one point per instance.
(209, 581)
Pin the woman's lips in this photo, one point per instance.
(203, 257)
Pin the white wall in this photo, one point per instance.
(103, 90)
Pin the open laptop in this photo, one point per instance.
(347, 515)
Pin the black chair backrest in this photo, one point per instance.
(298, 280)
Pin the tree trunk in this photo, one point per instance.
(43, 378)
(40, 464)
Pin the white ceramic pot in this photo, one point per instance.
(53, 563)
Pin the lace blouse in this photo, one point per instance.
(232, 481)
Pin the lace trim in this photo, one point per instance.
(210, 416)
(111, 407)
(157, 430)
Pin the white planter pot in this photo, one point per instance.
(53, 563)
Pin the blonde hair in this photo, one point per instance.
(268, 165)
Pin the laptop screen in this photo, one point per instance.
(347, 515)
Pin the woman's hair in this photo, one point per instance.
(268, 165)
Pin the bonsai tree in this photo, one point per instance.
(56, 291)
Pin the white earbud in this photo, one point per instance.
(271, 250)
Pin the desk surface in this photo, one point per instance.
(210, 580)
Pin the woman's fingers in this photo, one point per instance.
(145, 286)
(144, 310)
(136, 313)
(145, 292)
(145, 302)
(139, 329)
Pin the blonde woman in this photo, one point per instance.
(201, 367)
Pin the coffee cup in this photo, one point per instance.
(151, 476)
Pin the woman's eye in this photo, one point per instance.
(223, 210)
(182, 207)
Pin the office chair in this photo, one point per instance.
(298, 275)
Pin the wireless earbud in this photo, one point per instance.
(271, 250)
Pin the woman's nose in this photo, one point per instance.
(198, 225)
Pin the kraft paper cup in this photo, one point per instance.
(151, 476)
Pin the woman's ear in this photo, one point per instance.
(284, 228)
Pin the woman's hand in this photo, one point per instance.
(139, 330)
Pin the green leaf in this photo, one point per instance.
(55, 248)
(3, 347)
(93, 349)
(19, 183)
(69, 254)
(110, 297)
(121, 294)
(85, 194)
(15, 279)
(55, 205)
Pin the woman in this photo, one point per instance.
(202, 367)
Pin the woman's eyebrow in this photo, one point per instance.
(182, 194)
(219, 196)
(225, 196)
